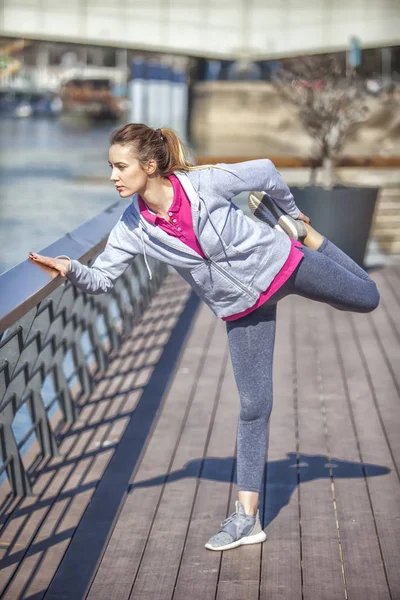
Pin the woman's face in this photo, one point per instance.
(127, 174)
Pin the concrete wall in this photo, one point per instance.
(203, 27)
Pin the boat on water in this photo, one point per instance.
(92, 98)
(27, 103)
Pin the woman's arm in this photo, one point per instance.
(258, 176)
(108, 266)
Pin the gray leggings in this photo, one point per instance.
(327, 275)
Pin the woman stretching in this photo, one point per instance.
(183, 215)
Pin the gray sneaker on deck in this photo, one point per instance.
(264, 208)
(239, 528)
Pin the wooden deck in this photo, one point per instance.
(147, 473)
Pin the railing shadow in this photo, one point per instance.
(97, 521)
(89, 539)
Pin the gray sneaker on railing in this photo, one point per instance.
(239, 528)
(263, 207)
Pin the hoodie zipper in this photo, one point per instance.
(209, 261)
(234, 280)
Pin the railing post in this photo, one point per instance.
(45, 435)
(68, 407)
(10, 456)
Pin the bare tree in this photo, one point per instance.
(329, 101)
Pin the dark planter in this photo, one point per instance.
(343, 214)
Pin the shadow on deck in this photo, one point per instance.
(148, 471)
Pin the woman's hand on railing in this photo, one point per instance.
(62, 265)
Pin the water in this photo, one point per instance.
(41, 194)
(47, 188)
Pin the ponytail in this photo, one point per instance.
(163, 145)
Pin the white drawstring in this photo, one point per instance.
(224, 245)
(144, 251)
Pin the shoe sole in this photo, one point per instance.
(254, 204)
(286, 223)
(258, 538)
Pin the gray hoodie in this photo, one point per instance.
(243, 255)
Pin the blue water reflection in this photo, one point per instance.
(51, 181)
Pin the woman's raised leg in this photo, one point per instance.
(315, 241)
(329, 275)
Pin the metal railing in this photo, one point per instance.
(45, 322)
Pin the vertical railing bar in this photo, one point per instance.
(16, 473)
(68, 407)
(46, 438)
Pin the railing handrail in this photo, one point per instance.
(22, 287)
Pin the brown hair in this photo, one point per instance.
(161, 145)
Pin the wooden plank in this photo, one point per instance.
(238, 589)
(199, 568)
(121, 559)
(297, 161)
(287, 162)
(78, 567)
(380, 341)
(388, 221)
(239, 574)
(383, 449)
(388, 282)
(390, 191)
(160, 562)
(373, 449)
(387, 244)
(389, 287)
(369, 161)
(321, 560)
(281, 560)
(362, 562)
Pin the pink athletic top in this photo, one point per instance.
(180, 213)
(181, 226)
